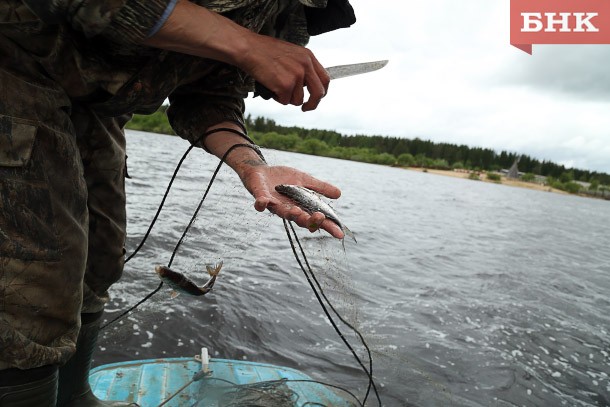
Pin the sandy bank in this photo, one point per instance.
(483, 178)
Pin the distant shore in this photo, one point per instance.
(482, 177)
(385, 151)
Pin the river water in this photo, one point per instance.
(468, 293)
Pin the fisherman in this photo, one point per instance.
(72, 72)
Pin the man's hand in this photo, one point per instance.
(261, 181)
(284, 68)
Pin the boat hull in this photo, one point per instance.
(152, 382)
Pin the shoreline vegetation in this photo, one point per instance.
(459, 161)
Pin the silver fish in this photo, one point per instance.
(311, 202)
(182, 284)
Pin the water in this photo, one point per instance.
(468, 293)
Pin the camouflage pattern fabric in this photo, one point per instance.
(43, 224)
(114, 76)
(101, 144)
(68, 84)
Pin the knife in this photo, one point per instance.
(335, 72)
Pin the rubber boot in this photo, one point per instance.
(74, 388)
(28, 388)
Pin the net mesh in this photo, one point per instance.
(264, 394)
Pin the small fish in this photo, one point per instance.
(311, 202)
(182, 284)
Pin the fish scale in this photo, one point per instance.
(311, 202)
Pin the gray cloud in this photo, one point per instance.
(573, 70)
(453, 77)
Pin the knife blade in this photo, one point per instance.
(335, 72)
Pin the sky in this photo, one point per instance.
(454, 77)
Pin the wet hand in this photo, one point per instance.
(261, 182)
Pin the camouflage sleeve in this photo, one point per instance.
(290, 26)
(124, 21)
(219, 96)
(216, 97)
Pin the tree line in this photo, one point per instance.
(388, 150)
(454, 155)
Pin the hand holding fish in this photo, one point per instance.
(261, 181)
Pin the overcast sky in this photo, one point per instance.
(454, 77)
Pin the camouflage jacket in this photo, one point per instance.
(90, 47)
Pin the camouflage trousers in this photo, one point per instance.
(62, 217)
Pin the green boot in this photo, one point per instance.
(28, 388)
(74, 389)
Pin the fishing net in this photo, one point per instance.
(264, 394)
(227, 321)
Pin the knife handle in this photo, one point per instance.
(262, 91)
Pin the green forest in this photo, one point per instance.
(397, 151)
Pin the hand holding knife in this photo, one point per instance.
(335, 72)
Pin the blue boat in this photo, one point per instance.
(177, 382)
